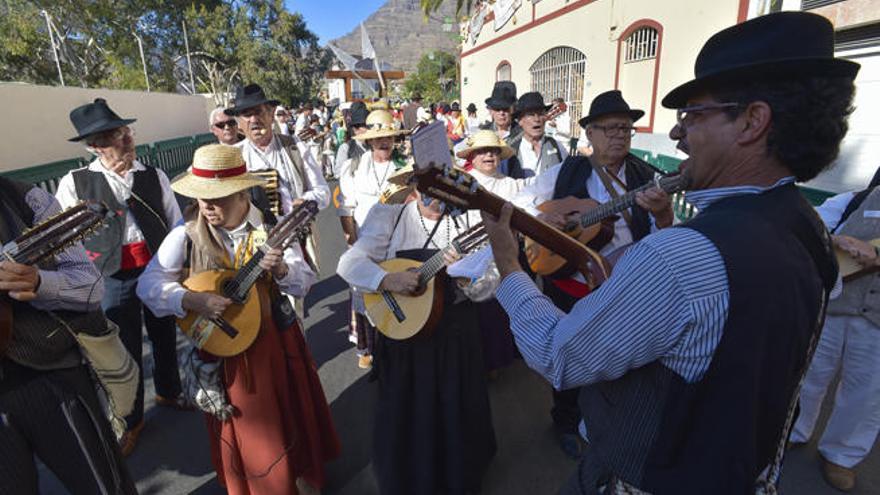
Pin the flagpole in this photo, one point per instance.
(365, 42)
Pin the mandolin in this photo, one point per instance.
(236, 329)
(462, 192)
(591, 228)
(45, 240)
(400, 316)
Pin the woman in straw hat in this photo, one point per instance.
(361, 184)
(268, 420)
(483, 155)
(433, 428)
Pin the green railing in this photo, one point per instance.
(172, 156)
(683, 210)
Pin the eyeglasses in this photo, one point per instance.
(109, 138)
(226, 124)
(685, 116)
(616, 130)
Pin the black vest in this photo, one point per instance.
(38, 341)
(549, 151)
(105, 247)
(572, 181)
(663, 435)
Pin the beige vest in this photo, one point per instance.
(861, 297)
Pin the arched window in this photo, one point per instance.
(502, 72)
(560, 73)
(638, 66)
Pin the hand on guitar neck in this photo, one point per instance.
(407, 282)
(863, 252)
(19, 281)
(505, 247)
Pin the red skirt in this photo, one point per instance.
(282, 429)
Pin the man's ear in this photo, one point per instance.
(756, 120)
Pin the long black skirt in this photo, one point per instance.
(433, 427)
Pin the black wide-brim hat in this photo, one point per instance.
(503, 95)
(779, 46)
(529, 102)
(471, 107)
(94, 118)
(610, 103)
(358, 113)
(249, 97)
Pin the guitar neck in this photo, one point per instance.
(612, 207)
(238, 288)
(434, 264)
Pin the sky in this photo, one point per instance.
(331, 19)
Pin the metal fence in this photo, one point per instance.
(172, 156)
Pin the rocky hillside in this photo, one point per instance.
(400, 35)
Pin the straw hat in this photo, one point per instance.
(380, 123)
(396, 194)
(402, 175)
(485, 139)
(217, 171)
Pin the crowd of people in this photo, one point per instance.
(680, 373)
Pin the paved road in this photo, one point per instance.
(173, 457)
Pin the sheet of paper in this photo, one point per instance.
(430, 144)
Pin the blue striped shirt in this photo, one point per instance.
(667, 300)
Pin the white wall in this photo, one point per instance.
(37, 123)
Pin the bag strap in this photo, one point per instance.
(605, 177)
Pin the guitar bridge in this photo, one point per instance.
(394, 306)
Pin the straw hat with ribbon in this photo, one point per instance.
(380, 123)
(485, 139)
(217, 171)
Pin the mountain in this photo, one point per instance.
(400, 35)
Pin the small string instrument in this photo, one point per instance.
(590, 226)
(235, 330)
(400, 316)
(44, 240)
(462, 192)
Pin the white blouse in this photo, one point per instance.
(159, 286)
(361, 190)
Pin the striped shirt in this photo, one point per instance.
(75, 283)
(667, 300)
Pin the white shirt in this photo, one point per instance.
(379, 240)
(302, 121)
(562, 130)
(291, 186)
(531, 161)
(361, 190)
(498, 184)
(159, 286)
(121, 188)
(541, 190)
(472, 125)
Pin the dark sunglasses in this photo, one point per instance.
(226, 124)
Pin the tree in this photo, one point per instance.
(98, 44)
(436, 77)
(429, 6)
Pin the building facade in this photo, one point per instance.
(576, 49)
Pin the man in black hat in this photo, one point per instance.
(691, 354)
(48, 403)
(536, 152)
(610, 172)
(500, 105)
(472, 122)
(299, 175)
(143, 195)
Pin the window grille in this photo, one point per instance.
(560, 73)
(641, 45)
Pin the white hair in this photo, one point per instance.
(213, 114)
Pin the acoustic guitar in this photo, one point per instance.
(591, 227)
(400, 316)
(44, 240)
(462, 192)
(850, 269)
(235, 330)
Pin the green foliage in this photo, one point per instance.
(231, 42)
(429, 6)
(436, 78)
